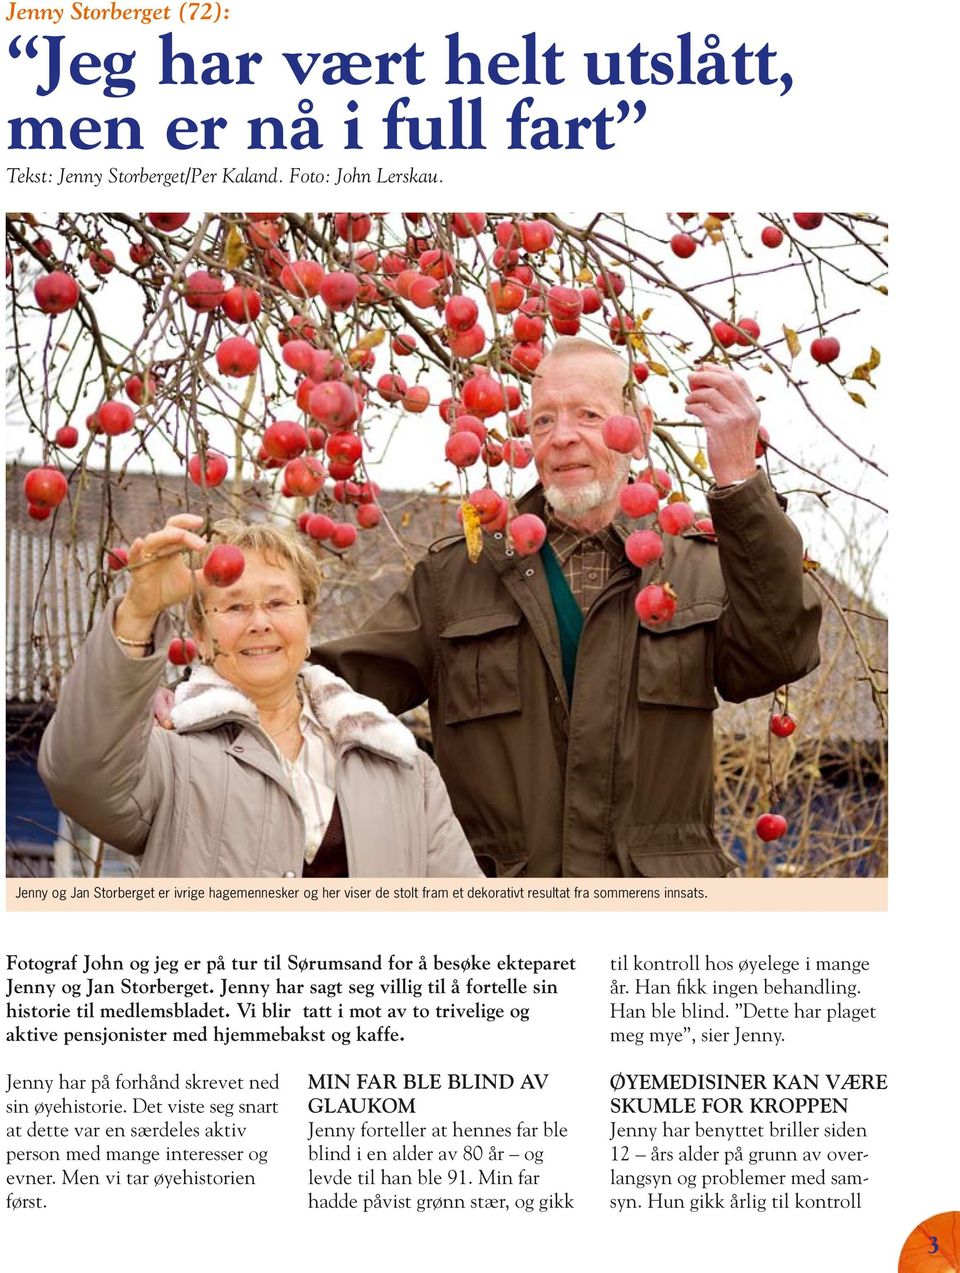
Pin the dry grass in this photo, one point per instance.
(828, 779)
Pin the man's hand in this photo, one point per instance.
(162, 707)
(721, 400)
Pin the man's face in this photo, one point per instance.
(571, 400)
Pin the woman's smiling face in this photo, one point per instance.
(257, 630)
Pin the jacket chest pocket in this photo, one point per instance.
(480, 666)
(675, 661)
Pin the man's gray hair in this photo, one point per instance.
(579, 347)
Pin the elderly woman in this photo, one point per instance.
(273, 768)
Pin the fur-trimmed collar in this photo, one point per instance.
(351, 719)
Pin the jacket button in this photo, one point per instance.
(238, 749)
(290, 875)
(530, 573)
(498, 534)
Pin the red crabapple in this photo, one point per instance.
(114, 418)
(643, 546)
(825, 349)
(224, 566)
(237, 357)
(211, 473)
(782, 726)
(676, 518)
(771, 826)
(622, 433)
(56, 292)
(463, 449)
(639, 499)
(683, 245)
(527, 533)
(241, 304)
(203, 291)
(66, 436)
(656, 604)
(344, 535)
(168, 221)
(181, 651)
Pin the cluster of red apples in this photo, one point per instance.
(328, 317)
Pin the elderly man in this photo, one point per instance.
(573, 739)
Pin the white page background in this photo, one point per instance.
(868, 125)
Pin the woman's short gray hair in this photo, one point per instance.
(276, 545)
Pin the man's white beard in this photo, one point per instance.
(572, 504)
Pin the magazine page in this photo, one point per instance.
(447, 652)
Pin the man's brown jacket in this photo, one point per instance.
(618, 782)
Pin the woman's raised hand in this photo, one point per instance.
(159, 574)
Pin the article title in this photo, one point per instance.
(319, 116)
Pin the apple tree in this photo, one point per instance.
(335, 353)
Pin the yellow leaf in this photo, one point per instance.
(700, 460)
(372, 338)
(882, 290)
(863, 371)
(471, 530)
(765, 366)
(793, 341)
(585, 276)
(235, 249)
(646, 314)
(711, 224)
(716, 236)
(406, 519)
(857, 399)
(809, 565)
(658, 369)
(639, 341)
